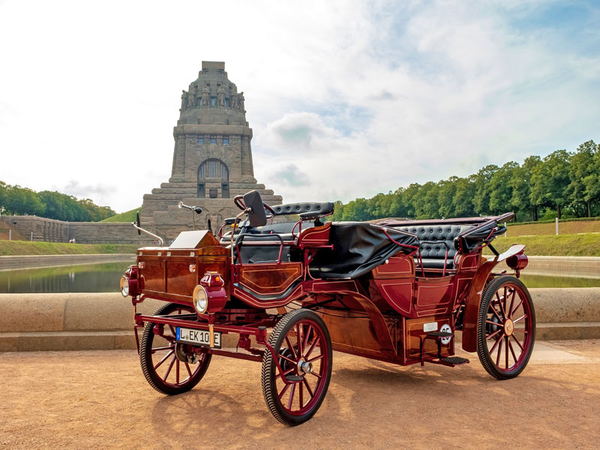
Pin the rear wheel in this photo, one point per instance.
(295, 393)
(506, 327)
(170, 367)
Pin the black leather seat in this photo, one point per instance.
(435, 240)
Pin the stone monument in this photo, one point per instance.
(212, 161)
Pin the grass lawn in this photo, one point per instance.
(591, 226)
(587, 244)
(128, 216)
(9, 248)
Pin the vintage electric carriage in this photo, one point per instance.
(289, 293)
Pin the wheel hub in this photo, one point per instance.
(509, 327)
(305, 366)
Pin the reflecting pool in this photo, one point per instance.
(105, 278)
(84, 278)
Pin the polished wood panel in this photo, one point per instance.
(396, 267)
(269, 278)
(315, 236)
(414, 333)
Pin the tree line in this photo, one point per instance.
(563, 184)
(17, 200)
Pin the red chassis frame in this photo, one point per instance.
(398, 313)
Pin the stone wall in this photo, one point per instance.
(49, 230)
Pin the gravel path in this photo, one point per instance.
(100, 399)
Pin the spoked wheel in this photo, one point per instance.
(171, 367)
(506, 328)
(295, 390)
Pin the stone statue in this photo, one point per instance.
(191, 100)
(221, 96)
(205, 96)
(234, 101)
(184, 100)
(241, 101)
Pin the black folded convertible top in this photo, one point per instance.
(359, 247)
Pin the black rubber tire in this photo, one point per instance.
(154, 379)
(482, 330)
(269, 368)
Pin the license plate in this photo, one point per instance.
(200, 337)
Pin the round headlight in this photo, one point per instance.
(124, 286)
(200, 298)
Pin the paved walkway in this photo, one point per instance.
(100, 399)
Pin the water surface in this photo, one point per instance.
(83, 278)
(105, 278)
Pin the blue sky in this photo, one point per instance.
(346, 98)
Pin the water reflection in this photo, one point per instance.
(84, 278)
(105, 278)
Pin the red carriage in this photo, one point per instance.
(288, 294)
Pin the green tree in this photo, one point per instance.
(550, 181)
(501, 189)
(446, 194)
(584, 176)
(520, 183)
(481, 199)
(463, 197)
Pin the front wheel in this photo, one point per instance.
(170, 367)
(295, 390)
(505, 328)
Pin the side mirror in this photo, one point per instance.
(257, 214)
(137, 222)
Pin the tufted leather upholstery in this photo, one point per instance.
(298, 208)
(434, 239)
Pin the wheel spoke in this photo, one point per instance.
(499, 353)
(520, 318)
(290, 346)
(518, 343)
(299, 339)
(170, 367)
(512, 351)
(288, 359)
(494, 334)
(163, 360)
(506, 350)
(177, 371)
(283, 391)
(187, 366)
(158, 349)
(495, 312)
(284, 373)
(312, 347)
(497, 342)
(502, 307)
(512, 302)
(301, 396)
(291, 399)
(316, 375)
(316, 358)
(310, 392)
(306, 337)
(515, 308)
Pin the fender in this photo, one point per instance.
(473, 298)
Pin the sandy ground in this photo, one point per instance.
(100, 399)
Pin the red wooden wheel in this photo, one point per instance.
(295, 384)
(171, 367)
(506, 328)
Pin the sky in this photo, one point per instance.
(346, 99)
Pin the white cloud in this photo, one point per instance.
(346, 99)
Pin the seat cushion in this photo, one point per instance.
(435, 240)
